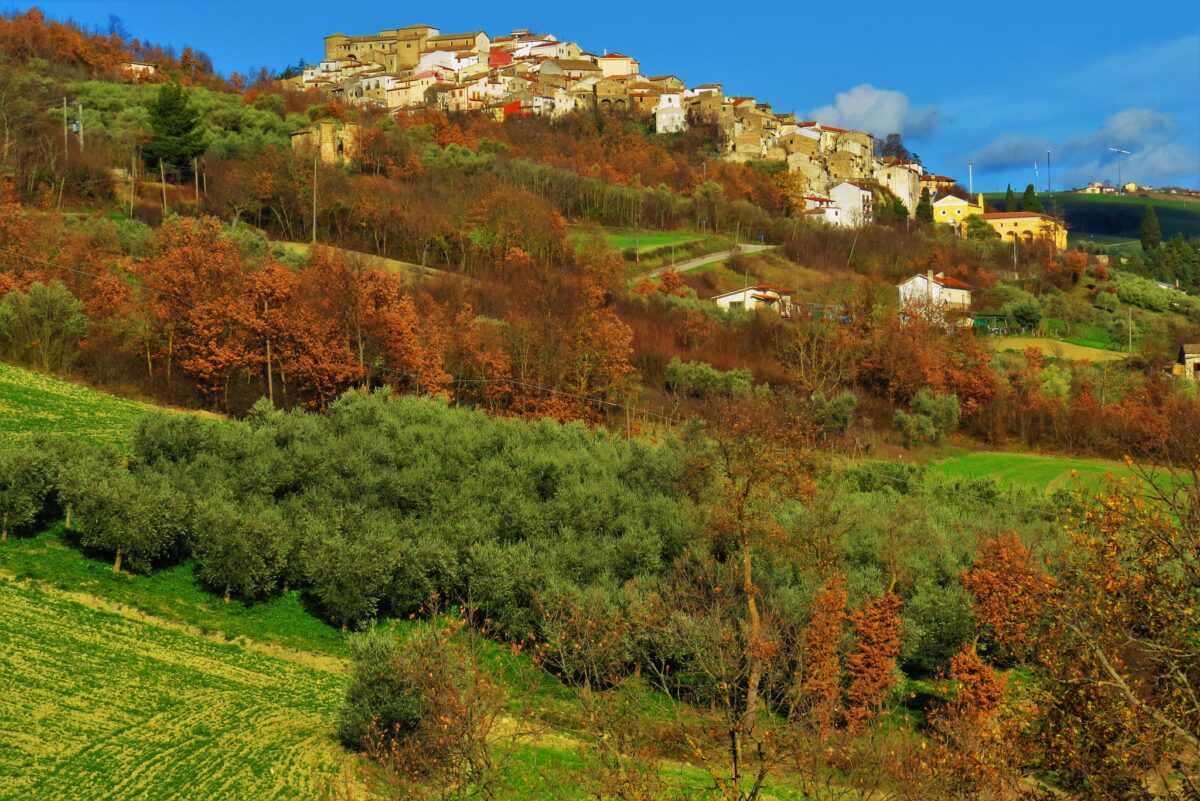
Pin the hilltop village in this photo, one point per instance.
(838, 175)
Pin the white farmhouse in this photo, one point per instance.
(767, 296)
(822, 209)
(935, 291)
(669, 119)
(855, 201)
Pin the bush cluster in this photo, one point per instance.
(931, 416)
(701, 380)
(576, 540)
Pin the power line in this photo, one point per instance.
(460, 381)
(91, 274)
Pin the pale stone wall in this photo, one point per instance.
(334, 142)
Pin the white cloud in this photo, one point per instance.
(1158, 165)
(878, 111)
(1131, 129)
(1011, 150)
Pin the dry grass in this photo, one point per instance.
(1056, 349)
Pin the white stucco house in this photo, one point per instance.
(935, 292)
(669, 119)
(759, 296)
(822, 209)
(856, 203)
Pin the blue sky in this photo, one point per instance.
(996, 84)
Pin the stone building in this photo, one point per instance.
(1187, 364)
(335, 142)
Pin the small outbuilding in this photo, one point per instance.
(1188, 363)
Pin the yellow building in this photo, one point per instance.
(954, 211)
(1027, 227)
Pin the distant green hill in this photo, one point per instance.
(1118, 215)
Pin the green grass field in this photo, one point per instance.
(171, 593)
(209, 661)
(32, 403)
(1092, 336)
(1115, 244)
(102, 705)
(651, 240)
(407, 269)
(1047, 472)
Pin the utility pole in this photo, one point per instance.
(66, 140)
(1120, 183)
(314, 231)
(162, 176)
(196, 178)
(80, 123)
(971, 178)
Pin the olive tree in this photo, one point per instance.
(24, 485)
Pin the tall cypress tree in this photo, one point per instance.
(175, 135)
(1030, 200)
(925, 207)
(1151, 231)
(1010, 200)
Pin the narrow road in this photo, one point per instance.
(709, 258)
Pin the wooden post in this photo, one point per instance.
(196, 178)
(162, 176)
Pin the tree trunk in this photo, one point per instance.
(754, 674)
(4, 529)
(270, 377)
(117, 562)
(68, 519)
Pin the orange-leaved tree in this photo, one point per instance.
(872, 662)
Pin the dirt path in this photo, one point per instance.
(700, 261)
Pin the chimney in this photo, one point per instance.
(929, 277)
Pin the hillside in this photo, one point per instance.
(32, 403)
(449, 476)
(1119, 216)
